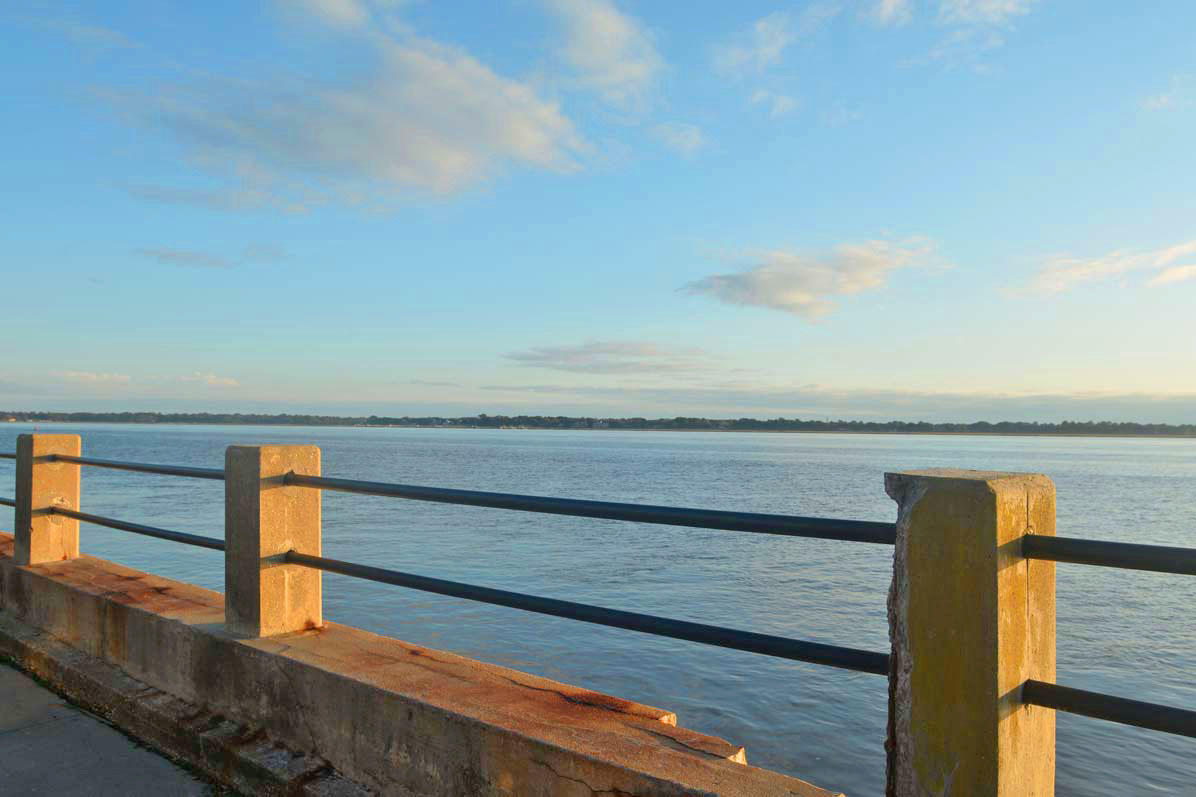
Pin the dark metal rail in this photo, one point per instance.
(140, 467)
(795, 650)
(148, 531)
(1106, 707)
(788, 525)
(1131, 556)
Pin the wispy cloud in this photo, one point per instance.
(92, 377)
(1178, 95)
(228, 199)
(776, 103)
(763, 44)
(683, 138)
(840, 115)
(209, 379)
(757, 48)
(1170, 264)
(252, 253)
(84, 33)
(1174, 274)
(184, 257)
(761, 47)
(609, 52)
(982, 12)
(613, 357)
(346, 13)
(890, 13)
(152, 385)
(807, 285)
(425, 118)
(976, 26)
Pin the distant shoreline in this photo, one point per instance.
(457, 426)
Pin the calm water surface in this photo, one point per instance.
(1130, 634)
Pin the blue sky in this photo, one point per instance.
(940, 209)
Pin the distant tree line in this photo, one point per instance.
(679, 423)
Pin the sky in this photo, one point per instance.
(919, 209)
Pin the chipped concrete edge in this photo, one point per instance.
(907, 493)
(238, 757)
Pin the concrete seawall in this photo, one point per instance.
(336, 709)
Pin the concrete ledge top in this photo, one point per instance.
(596, 726)
(963, 474)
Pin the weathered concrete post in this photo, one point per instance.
(263, 519)
(970, 621)
(42, 484)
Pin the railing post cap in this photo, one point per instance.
(899, 483)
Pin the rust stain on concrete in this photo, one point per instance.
(386, 713)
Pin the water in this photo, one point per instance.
(1126, 633)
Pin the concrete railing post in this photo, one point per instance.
(42, 484)
(263, 518)
(970, 621)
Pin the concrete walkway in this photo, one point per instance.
(48, 746)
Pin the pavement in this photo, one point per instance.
(48, 746)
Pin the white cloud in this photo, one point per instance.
(982, 12)
(1178, 95)
(85, 34)
(683, 138)
(226, 199)
(763, 43)
(209, 379)
(613, 357)
(975, 26)
(426, 118)
(345, 13)
(840, 115)
(757, 48)
(1173, 264)
(610, 53)
(806, 284)
(153, 383)
(252, 253)
(777, 104)
(92, 377)
(891, 12)
(184, 257)
(1160, 102)
(762, 46)
(1176, 274)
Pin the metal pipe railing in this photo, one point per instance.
(787, 525)
(780, 647)
(137, 528)
(215, 474)
(1131, 556)
(1155, 558)
(1107, 707)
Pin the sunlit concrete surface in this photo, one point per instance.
(49, 747)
